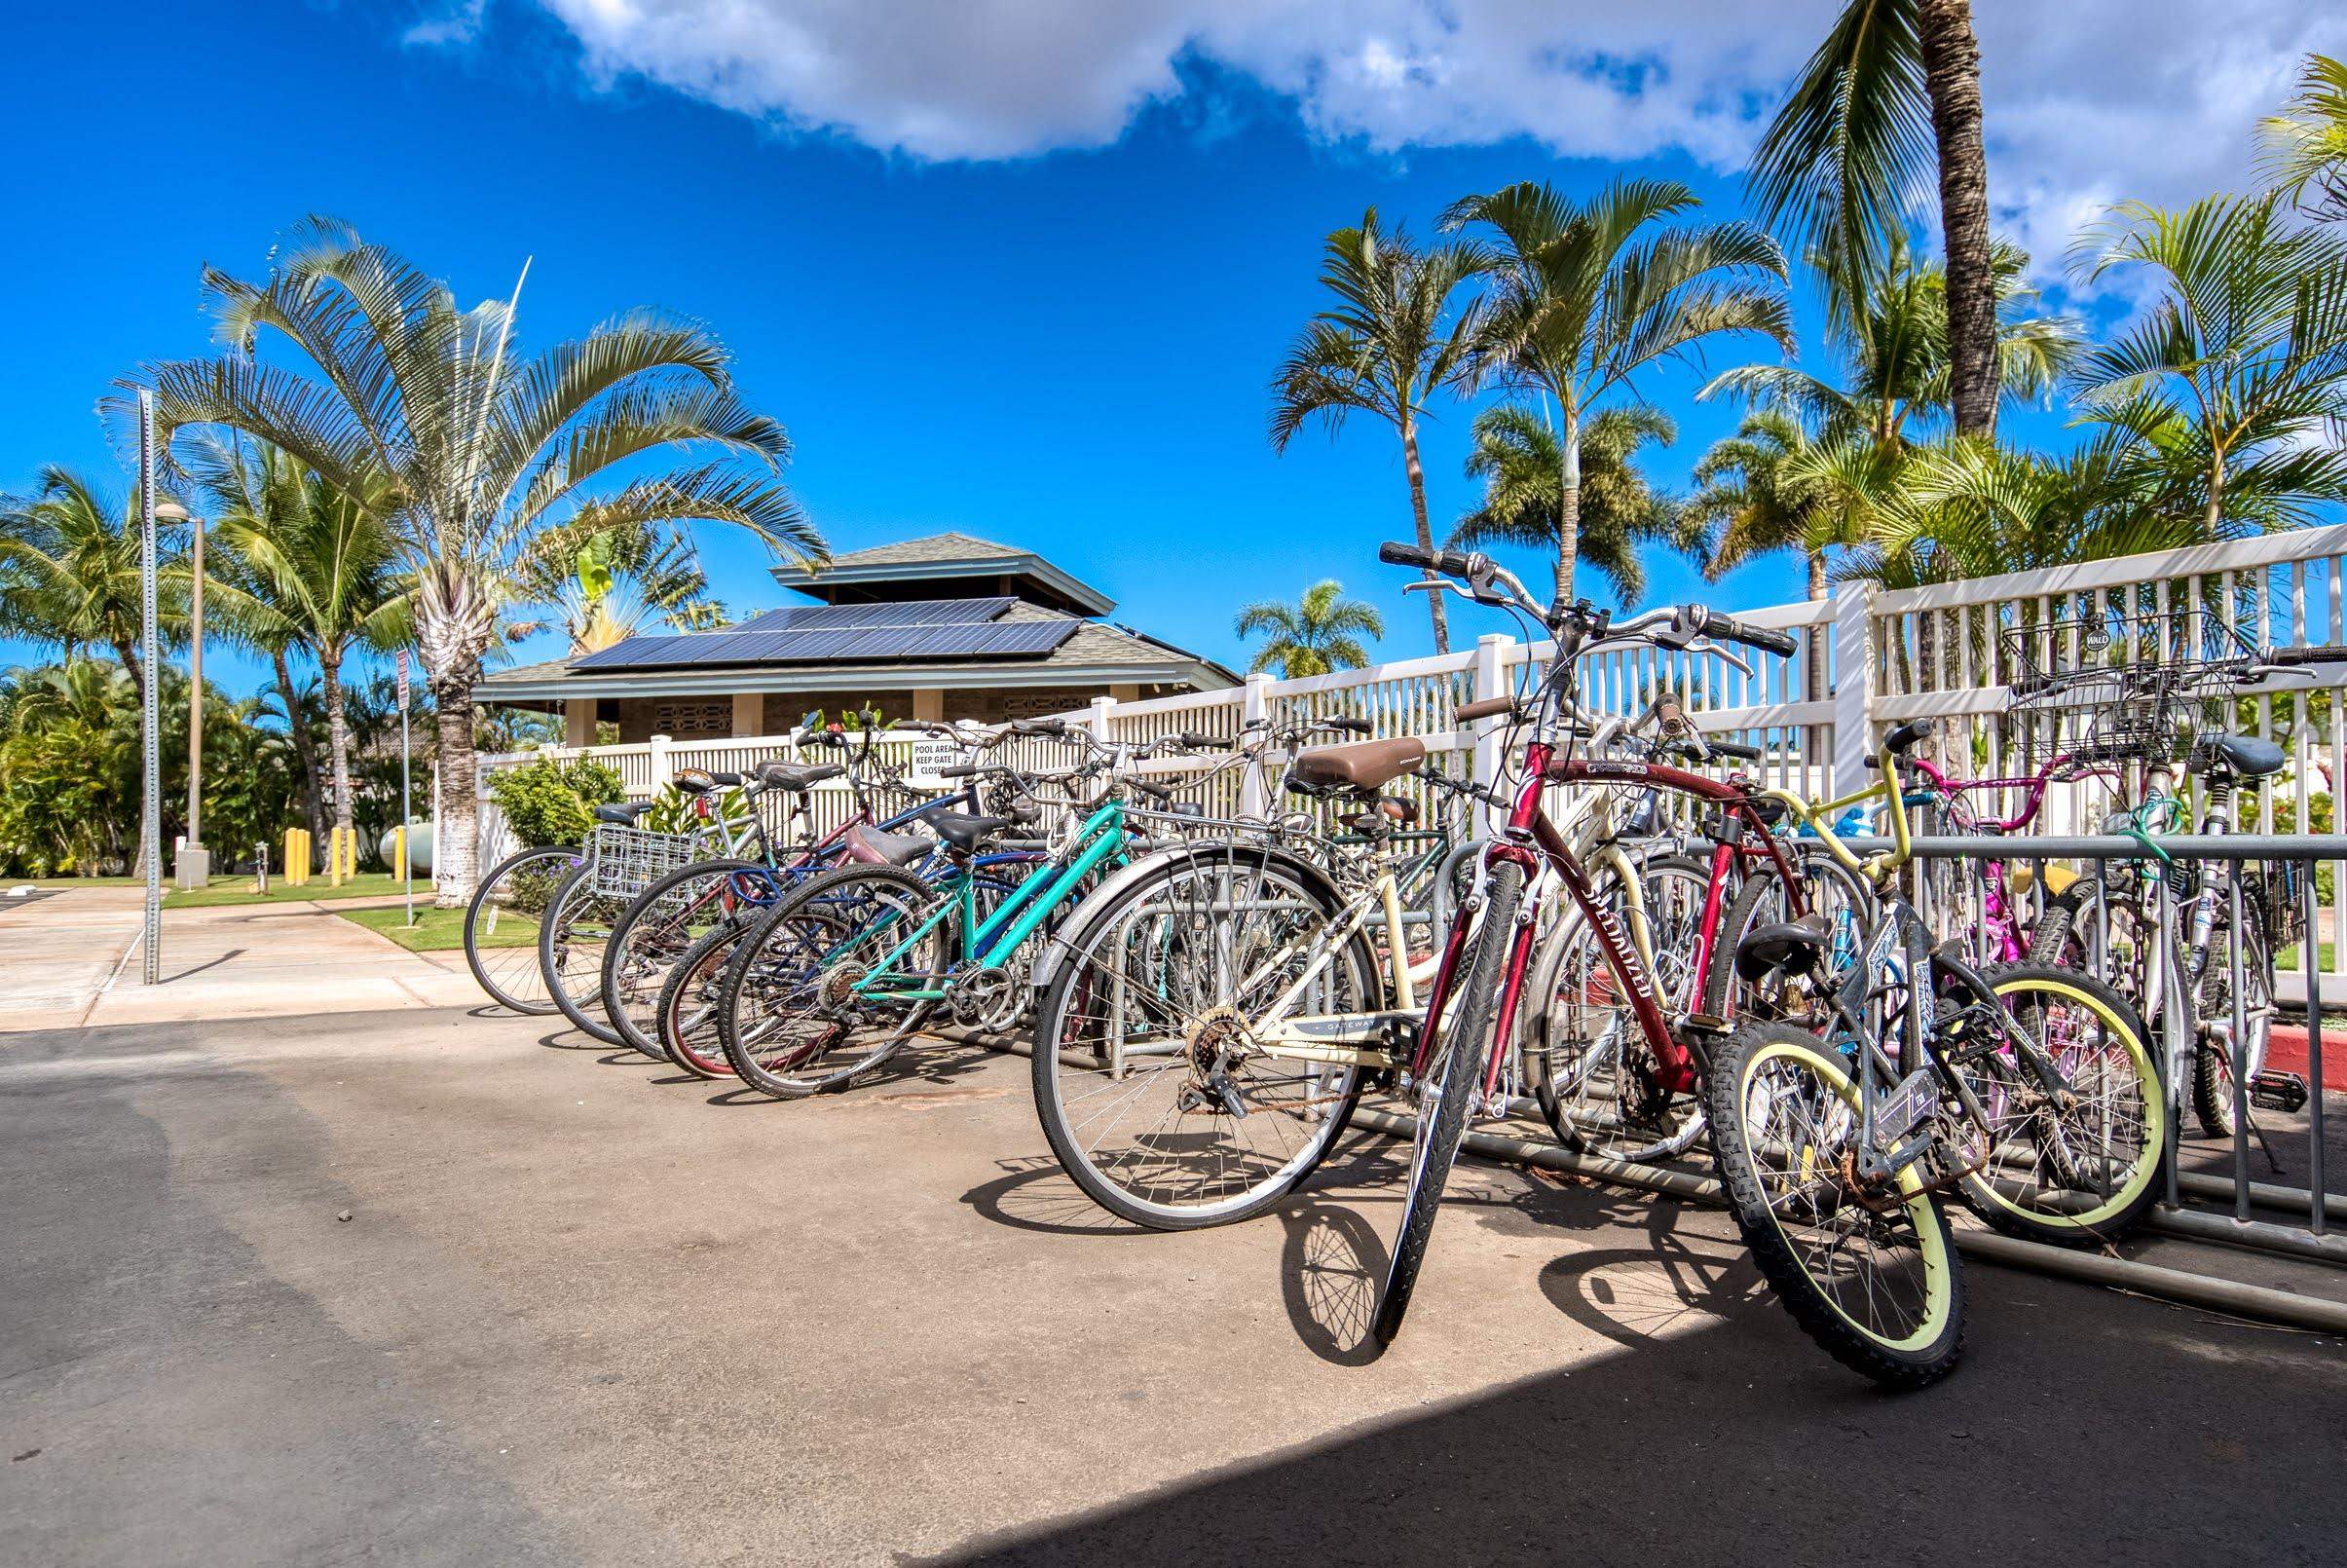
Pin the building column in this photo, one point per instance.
(749, 714)
(928, 704)
(1124, 692)
(578, 722)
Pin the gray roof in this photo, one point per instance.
(945, 546)
(942, 558)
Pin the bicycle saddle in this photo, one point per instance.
(693, 781)
(1360, 764)
(1792, 946)
(893, 848)
(622, 814)
(964, 833)
(2242, 755)
(796, 780)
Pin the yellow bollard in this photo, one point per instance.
(297, 856)
(399, 851)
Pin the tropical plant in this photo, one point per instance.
(1516, 455)
(1890, 98)
(550, 802)
(1319, 633)
(70, 574)
(615, 580)
(307, 564)
(479, 463)
(2222, 382)
(1584, 296)
(1887, 326)
(1389, 341)
(2305, 146)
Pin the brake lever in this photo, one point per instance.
(1705, 645)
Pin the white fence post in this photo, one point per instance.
(660, 773)
(1100, 706)
(1254, 704)
(1491, 681)
(1854, 685)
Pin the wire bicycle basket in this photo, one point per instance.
(628, 860)
(2125, 685)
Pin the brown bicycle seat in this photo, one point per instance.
(1360, 764)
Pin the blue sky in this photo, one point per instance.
(1045, 322)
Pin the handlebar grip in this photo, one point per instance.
(1450, 563)
(1155, 792)
(959, 771)
(1198, 742)
(1730, 629)
(1906, 735)
(1351, 727)
(1733, 749)
(1487, 707)
(1039, 727)
(2324, 654)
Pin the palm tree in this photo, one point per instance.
(1319, 633)
(477, 460)
(1516, 455)
(1385, 345)
(309, 565)
(69, 573)
(2305, 147)
(618, 580)
(1890, 95)
(1888, 324)
(1582, 299)
(2240, 359)
(1760, 492)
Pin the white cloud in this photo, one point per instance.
(2087, 100)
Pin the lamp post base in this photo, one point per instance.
(194, 868)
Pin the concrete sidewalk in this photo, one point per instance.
(70, 960)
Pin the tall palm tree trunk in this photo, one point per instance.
(1817, 691)
(1568, 502)
(128, 654)
(314, 799)
(338, 731)
(454, 840)
(1426, 530)
(1951, 77)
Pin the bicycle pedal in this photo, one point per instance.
(2272, 1090)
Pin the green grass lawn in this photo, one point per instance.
(440, 930)
(237, 889)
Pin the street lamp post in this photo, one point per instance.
(195, 867)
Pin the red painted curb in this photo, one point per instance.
(2286, 1052)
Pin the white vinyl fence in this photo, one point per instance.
(1940, 653)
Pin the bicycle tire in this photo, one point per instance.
(1074, 986)
(744, 973)
(1561, 946)
(2212, 1067)
(1459, 1080)
(685, 1020)
(502, 980)
(575, 979)
(1912, 1362)
(2121, 1211)
(647, 941)
(1752, 907)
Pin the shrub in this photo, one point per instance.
(551, 803)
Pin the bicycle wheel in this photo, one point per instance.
(2078, 1169)
(2212, 1056)
(1590, 1065)
(1832, 893)
(654, 931)
(796, 1024)
(1453, 1082)
(692, 1002)
(1875, 1280)
(1150, 1081)
(501, 923)
(569, 950)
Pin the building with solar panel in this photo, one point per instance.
(943, 628)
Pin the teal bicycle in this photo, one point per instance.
(840, 973)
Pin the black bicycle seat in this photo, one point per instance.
(2242, 755)
(965, 833)
(796, 779)
(623, 815)
(1792, 946)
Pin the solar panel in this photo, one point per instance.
(769, 639)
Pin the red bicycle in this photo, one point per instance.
(1489, 950)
